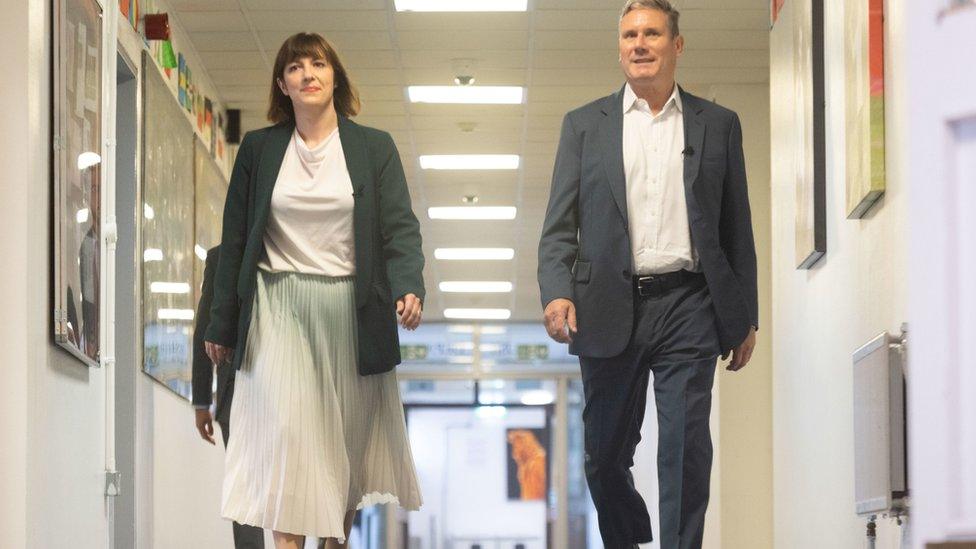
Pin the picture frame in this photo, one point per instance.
(168, 298)
(865, 105)
(810, 156)
(76, 97)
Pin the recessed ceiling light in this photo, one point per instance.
(152, 254)
(470, 95)
(474, 253)
(475, 287)
(472, 212)
(469, 162)
(200, 251)
(467, 5)
(483, 314)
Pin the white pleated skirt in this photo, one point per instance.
(311, 439)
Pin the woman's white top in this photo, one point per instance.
(310, 228)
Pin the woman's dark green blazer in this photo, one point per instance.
(389, 258)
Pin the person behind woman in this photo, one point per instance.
(320, 253)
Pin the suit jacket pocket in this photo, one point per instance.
(581, 270)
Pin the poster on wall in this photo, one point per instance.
(528, 463)
(865, 170)
(77, 176)
(809, 159)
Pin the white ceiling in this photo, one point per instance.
(563, 51)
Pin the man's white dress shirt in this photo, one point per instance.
(660, 237)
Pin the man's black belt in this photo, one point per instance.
(657, 284)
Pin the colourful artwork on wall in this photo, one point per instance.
(775, 6)
(181, 69)
(528, 464)
(864, 27)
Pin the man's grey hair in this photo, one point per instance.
(660, 5)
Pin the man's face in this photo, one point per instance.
(648, 52)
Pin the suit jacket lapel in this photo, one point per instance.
(694, 139)
(354, 150)
(272, 155)
(612, 137)
(357, 163)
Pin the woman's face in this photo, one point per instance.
(309, 83)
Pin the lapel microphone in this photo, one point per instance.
(689, 151)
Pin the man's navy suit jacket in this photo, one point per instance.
(585, 254)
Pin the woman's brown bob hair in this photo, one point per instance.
(309, 44)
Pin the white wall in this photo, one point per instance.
(15, 300)
(51, 416)
(822, 315)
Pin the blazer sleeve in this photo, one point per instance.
(559, 244)
(202, 366)
(735, 225)
(399, 229)
(226, 308)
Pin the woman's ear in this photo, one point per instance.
(281, 86)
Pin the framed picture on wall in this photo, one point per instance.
(864, 95)
(810, 162)
(168, 304)
(528, 463)
(77, 169)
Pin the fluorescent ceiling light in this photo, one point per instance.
(469, 329)
(537, 397)
(152, 254)
(476, 287)
(469, 162)
(82, 215)
(474, 253)
(461, 5)
(485, 314)
(200, 251)
(169, 288)
(472, 212)
(175, 314)
(148, 211)
(470, 95)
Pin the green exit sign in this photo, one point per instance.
(533, 352)
(413, 352)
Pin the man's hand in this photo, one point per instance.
(409, 309)
(560, 314)
(205, 424)
(218, 353)
(742, 353)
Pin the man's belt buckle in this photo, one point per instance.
(649, 285)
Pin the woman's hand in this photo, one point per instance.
(218, 353)
(409, 308)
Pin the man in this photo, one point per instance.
(245, 536)
(647, 264)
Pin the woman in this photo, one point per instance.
(319, 242)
